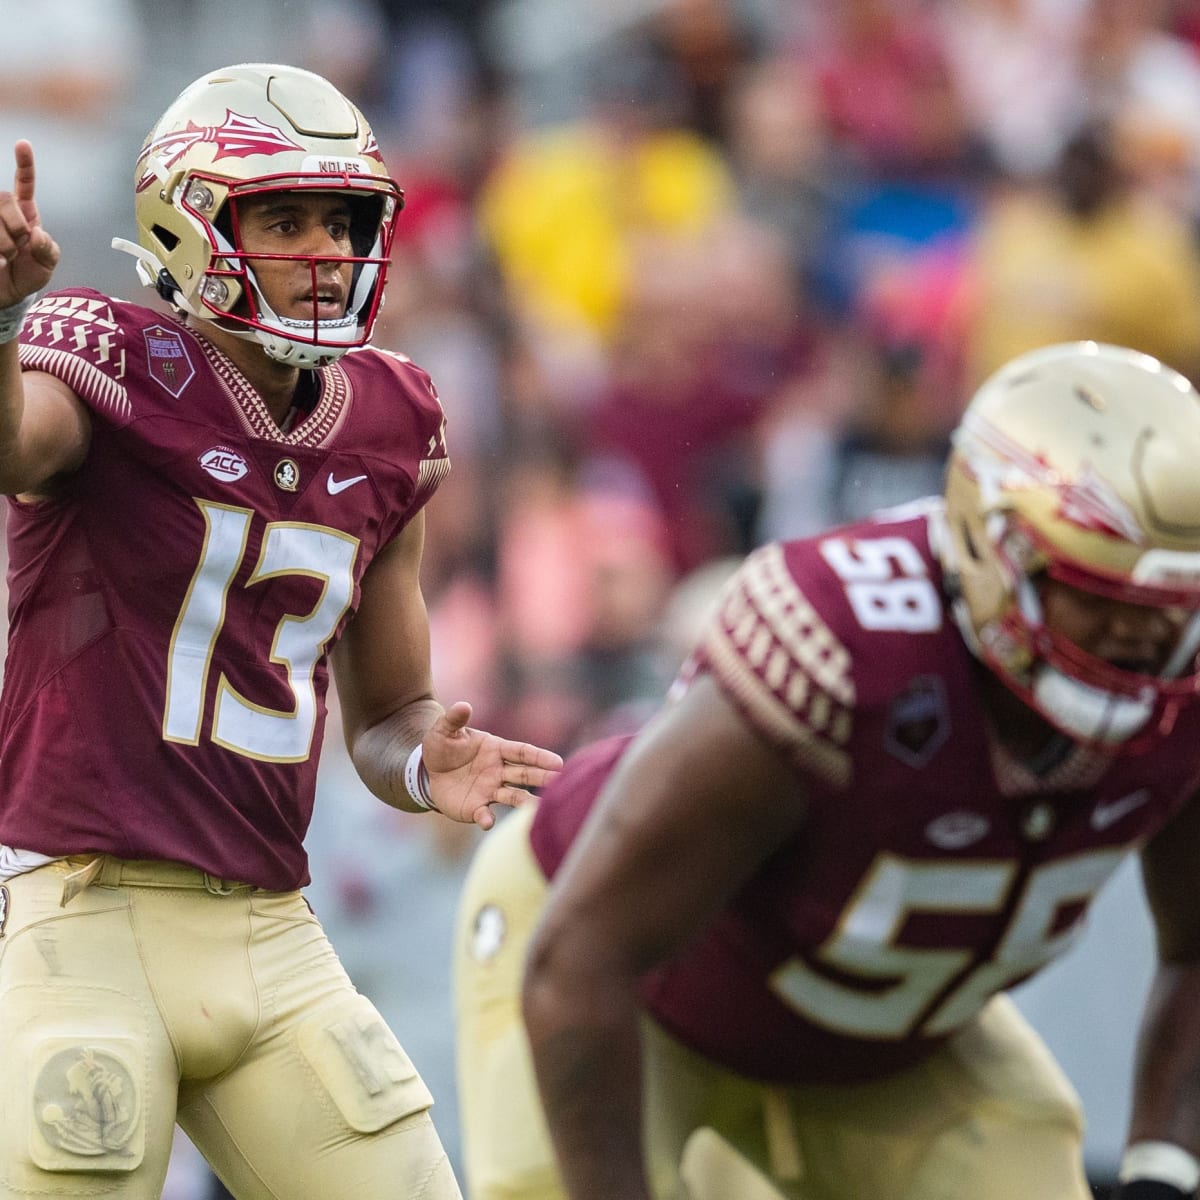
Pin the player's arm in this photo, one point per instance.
(696, 804)
(382, 670)
(44, 427)
(1164, 1133)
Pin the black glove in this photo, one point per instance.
(1150, 1189)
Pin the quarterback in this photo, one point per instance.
(761, 948)
(212, 503)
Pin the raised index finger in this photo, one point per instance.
(23, 179)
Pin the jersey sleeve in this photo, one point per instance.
(78, 337)
(434, 460)
(771, 651)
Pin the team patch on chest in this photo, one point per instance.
(287, 474)
(224, 464)
(918, 721)
(167, 354)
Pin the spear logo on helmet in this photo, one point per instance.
(236, 137)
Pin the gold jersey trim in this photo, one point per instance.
(255, 418)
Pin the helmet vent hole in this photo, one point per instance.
(166, 238)
(1090, 398)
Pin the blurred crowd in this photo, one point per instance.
(689, 275)
(701, 273)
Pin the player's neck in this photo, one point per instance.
(275, 382)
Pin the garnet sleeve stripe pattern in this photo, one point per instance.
(770, 649)
(77, 339)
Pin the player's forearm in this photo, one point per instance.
(19, 471)
(380, 752)
(586, 1050)
(1166, 1103)
(12, 397)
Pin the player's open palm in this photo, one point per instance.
(28, 254)
(470, 770)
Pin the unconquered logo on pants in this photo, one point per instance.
(86, 1102)
(3, 908)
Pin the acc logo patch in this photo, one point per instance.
(224, 464)
(918, 721)
(957, 830)
(287, 474)
(167, 355)
(3, 908)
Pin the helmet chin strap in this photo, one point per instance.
(298, 350)
(1078, 709)
(283, 349)
(289, 341)
(1087, 712)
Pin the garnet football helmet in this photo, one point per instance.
(1079, 461)
(244, 131)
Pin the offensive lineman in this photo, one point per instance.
(204, 503)
(900, 763)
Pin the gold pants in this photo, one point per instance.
(137, 995)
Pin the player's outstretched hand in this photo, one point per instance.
(28, 254)
(470, 770)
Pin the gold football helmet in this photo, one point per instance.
(1079, 461)
(244, 131)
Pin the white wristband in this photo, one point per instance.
(1163, 1162)
(12, 317)
(416, 779)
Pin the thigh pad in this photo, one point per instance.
(361, 1065)
(77, 1093)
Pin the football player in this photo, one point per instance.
(900, 763)
(211, 501)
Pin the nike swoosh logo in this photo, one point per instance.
(1104, 815)
(340, 485)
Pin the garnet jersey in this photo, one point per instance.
(171, 607)
(924, 879)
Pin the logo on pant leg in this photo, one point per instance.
(85, 1102)
(3, 908)
(488, 933)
